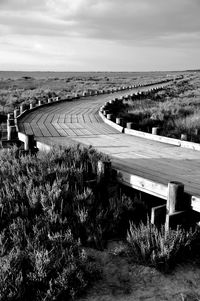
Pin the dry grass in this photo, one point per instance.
(16, 88)
(176, 110)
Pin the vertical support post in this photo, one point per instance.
(155, 130)
(11, 132)
(28, 142)
(16, 113)
(10, 122)
(31, 106)
(158, 215)
(184, 137)
(10, 116)
(175, 205)
(105, 112)
(103, 170)
(22, 109)
(119, 121)
(129, 125)
(109, 116)
(175, 201)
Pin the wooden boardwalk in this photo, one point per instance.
(78, 121)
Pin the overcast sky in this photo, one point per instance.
(99, 35)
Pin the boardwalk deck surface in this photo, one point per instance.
(78, 121)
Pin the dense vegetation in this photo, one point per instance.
(175, 110)
(159, 248)
(52, 206)
(56, 205)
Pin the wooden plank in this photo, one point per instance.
(145, 164)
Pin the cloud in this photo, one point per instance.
(99, 32)
(22, 5)
(130, 20)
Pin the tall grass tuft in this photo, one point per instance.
(159, 248)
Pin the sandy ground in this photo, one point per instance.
(125, 281)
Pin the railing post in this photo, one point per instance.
(109, 116)
(11, 132)
(155, 131)
(31, 106)
(29, 142)
(184, 137)
(175, 197)
(105, 112)
(176, 206)
(22, 108)
(10, 119)
(16, 113)
(103, 170)
(129, 125)
(119, 121)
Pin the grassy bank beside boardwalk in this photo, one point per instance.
(59, 213)
(175, 110)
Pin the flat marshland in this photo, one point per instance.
(21, 87)
(68, 232)
(175, 110)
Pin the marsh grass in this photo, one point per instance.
(50, 213)
(175, 109)
(25, 89)
(160, 248)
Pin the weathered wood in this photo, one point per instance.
(10, 122)
(11, 132)
(119, 121)
(184, 137)
(16, 113)
(175, 197)
(105, 112)
(10, 116)
(103, 170)
(158, 215)
(109, 116)
(28, 141)
(155, 131)
(22, 108)
(129, 125)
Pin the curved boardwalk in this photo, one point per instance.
(78, 121)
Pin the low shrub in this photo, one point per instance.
(159, 248)
(52, 206)
(37, 263)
